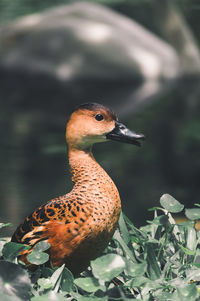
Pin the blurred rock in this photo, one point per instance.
(84, 41)
(175, 30)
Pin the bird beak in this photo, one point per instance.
(122, 134)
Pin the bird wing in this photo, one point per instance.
(46, 222)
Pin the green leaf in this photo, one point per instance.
(170, 203)
(153, 267)
(46, 272)
(56, 277)
(108, 266)
(188, 292)
(197, 265)
(67, 282)
(135, 230)
(193, 214)
(14, 281)
(136, 269)
(51, 296)
(88, 284)
(37, 257)
(193, 274)
(196, 204)
(191, 238)
(138, 282)
(42, 246)
(153, 208)
(124, 246)
(12, 250)
(160, 220)
(2, 225)
(82, 298)
(164, 296)
(45, 283)
(186, 251)
(123, 229)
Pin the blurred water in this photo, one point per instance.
(33, 160)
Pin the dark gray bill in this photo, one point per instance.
(123, 134)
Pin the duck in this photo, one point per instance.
(80, 224)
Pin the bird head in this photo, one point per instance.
(92, 123)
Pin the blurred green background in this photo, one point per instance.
(33, 160)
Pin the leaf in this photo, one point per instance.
(170, 203)
(186, 251)
(160, 220)
(45, 283)
(42, 246)
(193, 213)
(14, 280)
(12, 250)
(191, 238)
(46, 272)
(136, 231)
(193, 274)
(136, 269)
(164, 296)
(188, 292)
(82, 298)
(37, 257)
(56, 277)
(138, 282)
(108, 266)
(153, 208)
(51, 296)
(153, 267)
(88, 284)
(124, 246)
(123, 229)
(196, 265)
(67, 282)
(2, 225)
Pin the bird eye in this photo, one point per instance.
(99, 117)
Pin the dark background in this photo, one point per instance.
(33, 160)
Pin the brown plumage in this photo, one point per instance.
(80, 224)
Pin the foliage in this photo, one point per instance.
(159, 261)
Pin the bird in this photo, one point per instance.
(80, 224)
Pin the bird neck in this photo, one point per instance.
(79, 160)
(87, 172)
(94, 186)
(82, 165)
